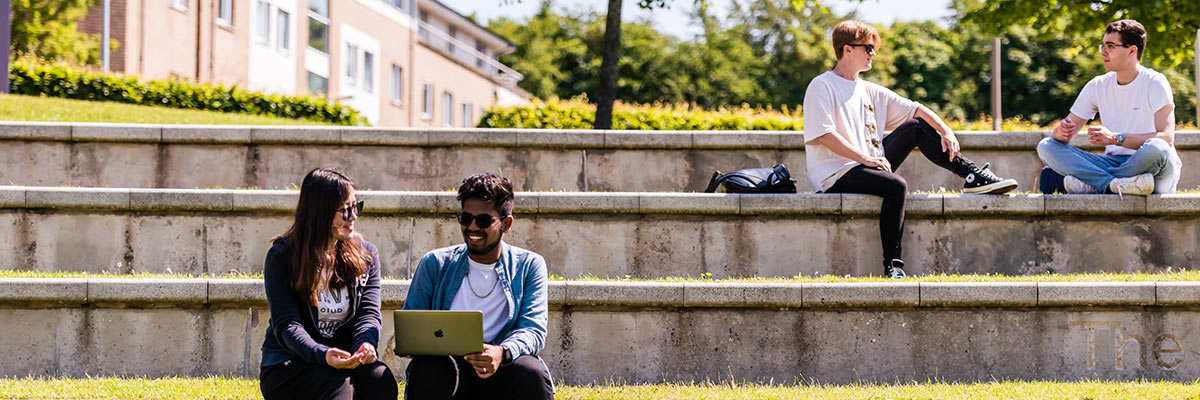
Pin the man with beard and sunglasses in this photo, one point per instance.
(504, 282)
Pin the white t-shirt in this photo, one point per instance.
(1126, 108)
(858, 111)
(481, 280)
(333, 308)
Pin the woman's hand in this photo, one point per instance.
(340, 359)
(366, 353)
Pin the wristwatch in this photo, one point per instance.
(507, 358)
(1120, 139)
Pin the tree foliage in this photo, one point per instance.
(49, 30)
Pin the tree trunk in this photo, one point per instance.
(607, 92)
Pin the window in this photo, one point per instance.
(318, 35)
(424, 16)
(397, 85)
(482, 49)
(225, 13)
(351, 57)
(401, 4)
(181, 5)
(467, 114)
(427, 101)
(283, 26)
(319, 7)
(262, 21)
(453, 33)
(447, 109)
(368, 75)
(317, 85)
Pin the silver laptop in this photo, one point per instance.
(438, 333)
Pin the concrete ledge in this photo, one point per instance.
(78, 198)
(750, 295)
(293, 134)
(202, 134)
(986, 204)
(1096, 294)
(62, 291)
(576, 202)
(905, 294)
(236, 292)
(645, 294)
(739, 139)
(916, 204)
(265, 200)
(808, 204)
(1177, 293)
(1095, 204)
(648, 140)
(972, 294)
(48, 131)
(688, 203)
(580, 139)
(385, 137)
(472, 137)
(106, 132)
(891, 295)
(167, 199)
(148, 291)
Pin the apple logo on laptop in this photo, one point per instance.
(437, 333)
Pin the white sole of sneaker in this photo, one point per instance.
(1000, 187)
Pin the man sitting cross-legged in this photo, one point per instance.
(1138, 111)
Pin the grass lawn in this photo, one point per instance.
(1171, 275)
(233, 388)
(52, 109)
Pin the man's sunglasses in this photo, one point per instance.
(353, 209)
(870, 47)
(481, 220)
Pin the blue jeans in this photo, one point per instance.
(1155, 157)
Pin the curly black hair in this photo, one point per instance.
(488, 187)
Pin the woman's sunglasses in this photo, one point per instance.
(353, 209)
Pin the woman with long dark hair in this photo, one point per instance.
(322, 283)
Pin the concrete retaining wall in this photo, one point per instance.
(654, 332)
(614, 234)
(273, 157)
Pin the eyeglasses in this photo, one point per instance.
(1107, 47)
(351, 210)
(870, 47)
(481, 220)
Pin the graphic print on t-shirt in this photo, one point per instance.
(332, 309)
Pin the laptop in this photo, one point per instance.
(438, 333)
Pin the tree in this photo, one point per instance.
(1170, 24)
(48, 30)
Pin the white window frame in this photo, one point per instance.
(283, 31)
(351, 64)
(225, 13)
(468, 114)
(262, 22)
(368, 72)
(447, 109)
(397, 85)
(181, 5)
(427, 101)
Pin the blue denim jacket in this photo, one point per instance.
(522, 275)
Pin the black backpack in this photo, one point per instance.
(776, 179)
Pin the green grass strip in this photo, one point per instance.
(51, 109)
(237, 388)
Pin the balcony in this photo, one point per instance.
(464, 52)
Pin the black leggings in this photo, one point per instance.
(915, 133)
(301, 380)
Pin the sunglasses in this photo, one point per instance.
(870, 47)
(481, 220)
(351, 210)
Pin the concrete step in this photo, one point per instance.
(274, 157)
(654, 332)
(642, 235)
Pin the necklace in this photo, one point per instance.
(485, 295)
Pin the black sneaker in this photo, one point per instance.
(983, 181)
(894, 269)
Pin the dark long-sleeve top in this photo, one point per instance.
(292, 332)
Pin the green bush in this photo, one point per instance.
(67, 82)
(578, 114)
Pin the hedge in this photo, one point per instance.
(67, 82)
(578, 114)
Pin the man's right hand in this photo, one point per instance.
(341, 359)
(877, 162)
(1066, 130)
